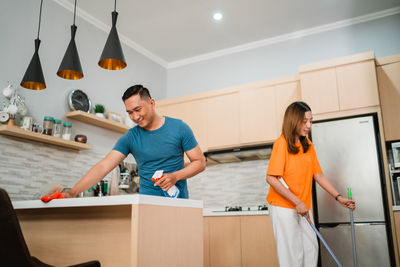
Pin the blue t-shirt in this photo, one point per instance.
(161, 149)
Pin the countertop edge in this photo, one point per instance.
(109, 201)
(211, 212)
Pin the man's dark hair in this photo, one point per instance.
(137, 89)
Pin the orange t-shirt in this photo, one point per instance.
(297, 170)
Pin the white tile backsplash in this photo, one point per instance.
(231, 184)
(27, 168)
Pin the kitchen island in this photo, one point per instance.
(129, 230)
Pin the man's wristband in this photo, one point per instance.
(338, 195)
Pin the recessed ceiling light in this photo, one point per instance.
(218, 16)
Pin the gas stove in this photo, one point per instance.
(236, 208)
(239, 208)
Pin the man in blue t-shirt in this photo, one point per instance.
(156, 142)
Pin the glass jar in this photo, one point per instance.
(57, 128)
(66, 133)
(48, 123)
(36, 128)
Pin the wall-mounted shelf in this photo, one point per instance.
(101, 122)
(18, 132)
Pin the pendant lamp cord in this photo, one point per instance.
(74, 11)
(40, 18)
(115, 5)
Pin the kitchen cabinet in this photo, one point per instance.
(357, 85)
(258, 118)
(388, 70)
(285, 94)
(340, 84)
(43, 138)
(319, 90)
(119, 231)
(397, 226)
(262, 110)
(245, 241)
(192, 112)
(222, 121)
(224, 241)
(257, 241)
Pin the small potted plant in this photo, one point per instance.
(99, 110)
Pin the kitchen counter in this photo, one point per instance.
(128, 230)
(108, 201)
(221, 212)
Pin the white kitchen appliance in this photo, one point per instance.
(349, 153)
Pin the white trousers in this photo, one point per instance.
(296, 241)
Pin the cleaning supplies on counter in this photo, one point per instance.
(172, 192)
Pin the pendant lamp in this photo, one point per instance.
(33, 78)
(112, 57)
(70, 67)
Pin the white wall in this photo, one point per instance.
(19, 22)
(282, 59)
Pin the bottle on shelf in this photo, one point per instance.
(66, 133)
(57, 128)
(48, 123)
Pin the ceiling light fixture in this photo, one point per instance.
(112, 57)
(33, 78)
(70, 67)
(218, 16)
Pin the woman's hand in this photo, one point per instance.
(347, 203)
(301, 209)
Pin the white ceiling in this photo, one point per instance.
(169, 31)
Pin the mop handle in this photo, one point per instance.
(353, 235)
(323, 241)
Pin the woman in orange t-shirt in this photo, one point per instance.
(294, 159)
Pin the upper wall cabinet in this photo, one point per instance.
(258, 114)
(388, 72)
(357, 85)
(243, 115)
(223, 120)
(192, 112)
(340, 84)
(319, 90)
(262, 109)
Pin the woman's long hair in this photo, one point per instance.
(292, 122)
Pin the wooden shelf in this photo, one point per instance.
(18, 132)
(101, 122)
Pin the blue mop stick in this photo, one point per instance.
(323, 241)
(315, 230)
(353, 235)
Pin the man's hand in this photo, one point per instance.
(166, 181)
(67, 194)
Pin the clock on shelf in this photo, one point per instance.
(78, 100)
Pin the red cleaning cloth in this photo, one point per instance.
(53, 196)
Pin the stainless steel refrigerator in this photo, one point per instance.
(349, 153)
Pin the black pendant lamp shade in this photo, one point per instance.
(70, 67)
(112, 57)
(33, 78)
